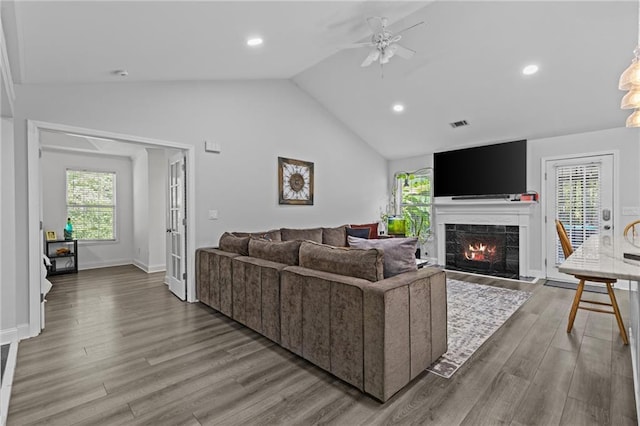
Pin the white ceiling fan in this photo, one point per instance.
(384, 42)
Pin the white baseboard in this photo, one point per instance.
(104, 264)
(149, 269)
(536, 273)
(8, 335)
(7, 381)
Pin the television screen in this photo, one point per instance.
(497, 169)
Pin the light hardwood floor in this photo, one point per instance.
(120, 349)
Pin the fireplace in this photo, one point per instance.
(485, 249)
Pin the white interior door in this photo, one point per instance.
(176, 229)
(579, 193)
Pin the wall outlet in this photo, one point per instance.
(213, 214)
(631, 211)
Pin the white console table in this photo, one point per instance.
(604, 257)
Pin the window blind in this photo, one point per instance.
(91, 204)
(577, 203)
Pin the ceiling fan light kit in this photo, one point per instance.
(630, 80)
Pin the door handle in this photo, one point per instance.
(607, 227)
(168, 230)
(606, 214)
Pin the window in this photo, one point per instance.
(577, 203)
(91, 204)
(413, 198)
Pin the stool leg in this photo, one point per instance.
(574, 308)
(616, 311)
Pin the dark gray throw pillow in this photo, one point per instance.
(358, 233)
(399, 253)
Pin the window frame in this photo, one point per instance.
(114, 205)
(400, 178)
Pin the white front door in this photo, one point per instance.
(579, 194)
(176, 218)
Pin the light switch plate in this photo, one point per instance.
(213, 214)
(211, 146)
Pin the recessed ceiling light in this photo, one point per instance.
(398, 107)
(254, 41)
(530, 69)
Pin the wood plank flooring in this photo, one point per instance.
(119, 348)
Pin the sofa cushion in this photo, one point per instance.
(276, 251)
(335, 236)
(358, 232)
(399, 253)
(232, 244)
(310, 234)
(272, 235)
(365, 263)
(372, 227)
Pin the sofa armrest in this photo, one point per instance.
(214, 277)
(405, 329)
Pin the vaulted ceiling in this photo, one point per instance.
(467, 67)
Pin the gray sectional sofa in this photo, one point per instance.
(308, 292)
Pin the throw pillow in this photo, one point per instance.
(365, 264)
(276, 251)
(372, 227)
(233, 244)
(358, 232)
(399, 253)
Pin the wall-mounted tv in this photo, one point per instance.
(489, 170)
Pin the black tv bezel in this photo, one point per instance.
(485, 194)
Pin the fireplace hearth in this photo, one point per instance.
(485, 249)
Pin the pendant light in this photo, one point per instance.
(630, 80)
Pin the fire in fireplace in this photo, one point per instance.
(485, 249)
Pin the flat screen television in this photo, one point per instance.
(482, 171)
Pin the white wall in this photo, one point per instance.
(254, 121)
(8, 283)
(157, 224)
(90, 254)
(627, 177)
(149, 209)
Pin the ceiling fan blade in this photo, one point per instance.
(376, 23)
(354, 45)
(408, 28)
(371, 58)
(403, 52)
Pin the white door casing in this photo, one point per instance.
(176, 235)
(579, 193)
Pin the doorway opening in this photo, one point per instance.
(88, 141)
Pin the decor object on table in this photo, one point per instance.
(396, 225)
(295, 181)
(474, 312)
(51, 236)
(68, 230)
(630, 80)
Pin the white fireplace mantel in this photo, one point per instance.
(486, 212)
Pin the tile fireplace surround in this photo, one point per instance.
(485, 212)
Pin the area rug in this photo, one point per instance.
(475, 312)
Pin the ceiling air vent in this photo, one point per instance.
(460, 123)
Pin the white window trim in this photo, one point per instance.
(114, 205)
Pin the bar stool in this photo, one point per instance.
(631, 229)
(567, 248)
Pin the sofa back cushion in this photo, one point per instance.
(273, 235)
(311, 234)
(365, 264)
(285, 252)
(233, 244)
(336, 237)
(399, 253)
